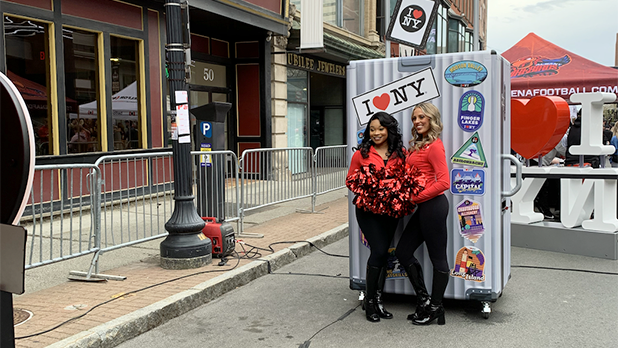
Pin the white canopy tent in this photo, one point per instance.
(124, 105)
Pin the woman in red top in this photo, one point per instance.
(383, 147)
(428, 223)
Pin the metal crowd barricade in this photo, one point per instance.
(331, 168)
(271, 176)
(216, 187)
(121, 200)
(61, 216)
(136, 200)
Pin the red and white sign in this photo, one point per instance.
(397, 96)
(411, 22)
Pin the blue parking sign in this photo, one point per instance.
(206, 128)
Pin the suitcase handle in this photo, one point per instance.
(208, 219)
(518, 179)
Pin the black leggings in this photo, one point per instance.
(428, 224)
(379, 231)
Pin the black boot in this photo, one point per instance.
(371, 311)
(435, 309)
(415, 274)
(382, 312)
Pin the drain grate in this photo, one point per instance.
(20, 316)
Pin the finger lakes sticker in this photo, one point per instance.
(469, 264)
(471, 109)
(470, 220)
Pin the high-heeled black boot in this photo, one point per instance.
(435, 310)
(382, 312)
(415, 275)
(369, 304)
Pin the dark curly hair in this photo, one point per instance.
(394, 139)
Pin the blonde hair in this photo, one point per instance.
(435, 127)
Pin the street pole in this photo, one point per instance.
(185, 246)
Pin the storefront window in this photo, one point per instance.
(455, 36)
(297, 108)
(27, 63)
(297, 116)
(125, 94)
(81, 79)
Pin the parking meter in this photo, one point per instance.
(210, 136)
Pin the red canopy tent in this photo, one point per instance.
(539, 67)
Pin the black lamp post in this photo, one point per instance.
(185, 246)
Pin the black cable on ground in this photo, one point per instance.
(565, 269)
(128, 293)
(252, 253)
(345, 315)
(270, 248)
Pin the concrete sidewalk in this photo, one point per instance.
(86, 314)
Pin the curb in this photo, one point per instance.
(134, 324)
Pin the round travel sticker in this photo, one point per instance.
(465, 73)
(359, 136)
(469, 264)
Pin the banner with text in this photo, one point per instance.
(397, 96)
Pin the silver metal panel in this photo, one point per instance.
(367, 75)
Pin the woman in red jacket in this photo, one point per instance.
(381, 146)
(428, 223)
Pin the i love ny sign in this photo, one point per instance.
(397, 96)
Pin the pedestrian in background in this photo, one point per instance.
(614, 141)
(381, 146)
(428, 222)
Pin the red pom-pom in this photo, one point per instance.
(386, 191)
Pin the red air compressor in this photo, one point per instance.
(221, 235)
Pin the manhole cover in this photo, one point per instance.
(20, 316)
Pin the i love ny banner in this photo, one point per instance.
(397, 96)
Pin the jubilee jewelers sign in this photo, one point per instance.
(315, 65)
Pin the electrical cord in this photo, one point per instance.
(132, 292)
(338, 276)
(564, 269)
(252, 253)
(345, 315)
(270, 247)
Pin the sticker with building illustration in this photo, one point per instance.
(470, 220)
(467, 181)
(471, 153)
(469, 264)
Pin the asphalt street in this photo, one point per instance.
(308, 303)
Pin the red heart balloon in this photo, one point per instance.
(381, 102)
(538, 124)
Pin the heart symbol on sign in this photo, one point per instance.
(417, 14)
(538, 124)
(381, 102)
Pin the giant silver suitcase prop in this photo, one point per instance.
(472, 91)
